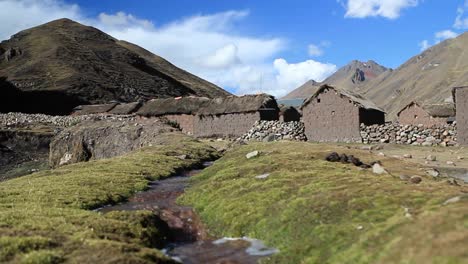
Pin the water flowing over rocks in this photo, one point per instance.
(275, 130)
(395, 133)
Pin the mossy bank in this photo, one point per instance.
(315, 211)
(47, 217)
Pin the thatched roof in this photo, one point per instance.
(170, 106)
(205, 106)
(93, 109)
(125, 109)
(434, 110)
(357, 99)
(286, 109)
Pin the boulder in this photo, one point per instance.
(378, 169)
(252, 154)
(92, 140)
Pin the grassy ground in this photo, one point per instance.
(320, 212)
(46, 217)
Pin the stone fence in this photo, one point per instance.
(442, 135)
(275, 130)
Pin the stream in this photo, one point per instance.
(189, 241)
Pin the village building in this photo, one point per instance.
(230, 116)
(289, 114)
(427, 115)
(333, 115)
(111, 108)
(460, 96)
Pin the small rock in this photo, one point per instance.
(378, 169)
(415, 179)
(460, 158)
(431, 158)
(359, 227)
(451, 163)
(407, 212)
(333, 157)
(263, 176)
(433, 172)
(252, 154)
(452, 200)
(407, 156)
(182, 157)
(404, 177)
(381, 154)
(452, 181)
(269, 138)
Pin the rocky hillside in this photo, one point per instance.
(350, 77)
(428, 77)
(70, 60)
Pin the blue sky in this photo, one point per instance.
(251, 46)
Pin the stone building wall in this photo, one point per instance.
(461, 95)
(226, 125)
(416, 115)
(331, 118)
(186, 122)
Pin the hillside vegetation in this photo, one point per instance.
(46, 217)
(315, 211)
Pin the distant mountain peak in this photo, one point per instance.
(349, 77)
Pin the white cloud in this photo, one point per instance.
(424, 45)
(224, 57)
(445, 34)
(371, 8)
(292, 75)
(206, 45)
(121, 19)
(16, 15)
(438, 37)
(314, 50)
(461, 22)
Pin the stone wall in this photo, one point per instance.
(227, 125)
(21, 119)
(275, 130)
(461, 95)
(415, 115)
(442, 135)
(331, 118)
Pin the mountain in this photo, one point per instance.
(350, 77)
(428, 77)
(75, 61)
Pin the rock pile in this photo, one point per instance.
(20, 119)
(275, 130)
(409, 134)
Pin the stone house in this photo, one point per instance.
(460, 97)
(230, 116)
(427, 115)
(289, 114)
(333, 115)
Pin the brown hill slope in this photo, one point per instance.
(427, 77)
(84, 63)
(349, 77)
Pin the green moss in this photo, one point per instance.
(320, 212)
(46, 217)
